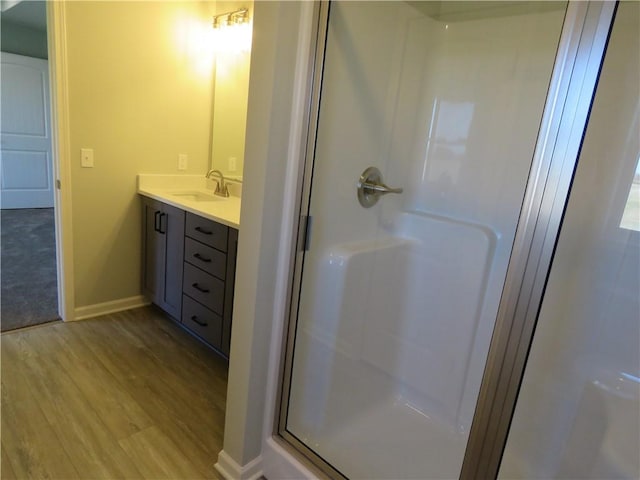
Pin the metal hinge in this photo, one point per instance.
(58, 184)
(304, 232)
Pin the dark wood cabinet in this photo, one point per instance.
(188, 270)
(209, 276)
(206, 258)
(202, 321)
(207, 231)
(232, 250)
(163, 255)
(204, 288)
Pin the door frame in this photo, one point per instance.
(577, 66)
(585, 37)
(61, 151)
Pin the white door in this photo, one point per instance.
(26, 166)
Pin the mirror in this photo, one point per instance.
(232, 38)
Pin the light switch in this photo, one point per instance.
(86, 157)
(232, 164)
(182, 161)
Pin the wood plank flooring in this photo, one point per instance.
(127, 395)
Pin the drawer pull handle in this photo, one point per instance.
(195, 319)
(202, 230)
(201, 258)
(199, 288)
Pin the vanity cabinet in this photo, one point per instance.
(188, 269)
(209, 275)
(163, 255)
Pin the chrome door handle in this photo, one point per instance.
(371, 187)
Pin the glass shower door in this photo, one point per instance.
(578, 410)
(428, 121)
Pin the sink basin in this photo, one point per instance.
(195, 196)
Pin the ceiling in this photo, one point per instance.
(452, 11)
(32, 14)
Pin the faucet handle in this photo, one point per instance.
(224, 191)
(221, 186)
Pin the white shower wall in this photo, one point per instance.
(398, 301)
(463, 145)
(461, 107)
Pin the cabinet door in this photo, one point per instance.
(163, 254)
(172, 228)
(153, 251)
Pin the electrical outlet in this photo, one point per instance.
(232, 164)
(182, 161)
(86, 157)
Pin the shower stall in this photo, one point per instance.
(443, 140)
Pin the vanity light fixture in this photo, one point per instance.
(237, 17)
(231, 35)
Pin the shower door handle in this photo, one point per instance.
(371, 187)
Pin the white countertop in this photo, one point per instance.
(169, 188)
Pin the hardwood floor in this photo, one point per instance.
(127, 395)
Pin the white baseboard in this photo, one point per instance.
(90, 311)
(229, 469)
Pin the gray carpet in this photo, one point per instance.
(29, 293)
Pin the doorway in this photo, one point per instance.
(29, 290)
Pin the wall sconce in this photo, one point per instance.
(232, 32)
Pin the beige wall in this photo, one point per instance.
(139, 94)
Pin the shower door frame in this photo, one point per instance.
(576, 70)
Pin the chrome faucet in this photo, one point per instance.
(222, 189)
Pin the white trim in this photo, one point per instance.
(268, 122)
(229, 469)
(90, 311)
(59, 94)
(279, 463)
(295, 159)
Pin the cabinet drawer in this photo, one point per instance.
(205, 288)
(202, 321)
(206, 258)
(207, 231)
